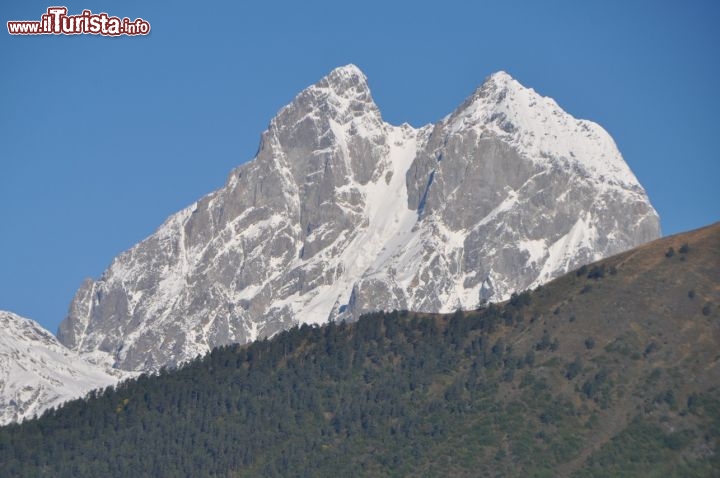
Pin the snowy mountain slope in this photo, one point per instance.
(510, 191)
(341, 213)
(37, 372)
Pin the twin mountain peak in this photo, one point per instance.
(341, 213)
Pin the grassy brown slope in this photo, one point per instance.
(648, 324)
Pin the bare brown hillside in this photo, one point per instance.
(643, 328)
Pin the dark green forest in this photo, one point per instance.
(591, 375)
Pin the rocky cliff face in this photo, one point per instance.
(341, 213)
(37, 372)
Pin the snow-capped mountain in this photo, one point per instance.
(38, 372)
(341, 213)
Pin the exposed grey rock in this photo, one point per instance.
(341, 213)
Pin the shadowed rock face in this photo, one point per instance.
(341, 213)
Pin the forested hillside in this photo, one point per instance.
(611, 370)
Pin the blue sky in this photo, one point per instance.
(102, 138)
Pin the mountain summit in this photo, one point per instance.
(341, 213)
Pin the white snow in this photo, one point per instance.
(388, 230)
(542, 130)
(537, 249)
(37, 372)
(562, 252)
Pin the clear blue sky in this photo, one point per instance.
(102, 138)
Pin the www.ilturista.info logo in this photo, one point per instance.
(57, 22)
